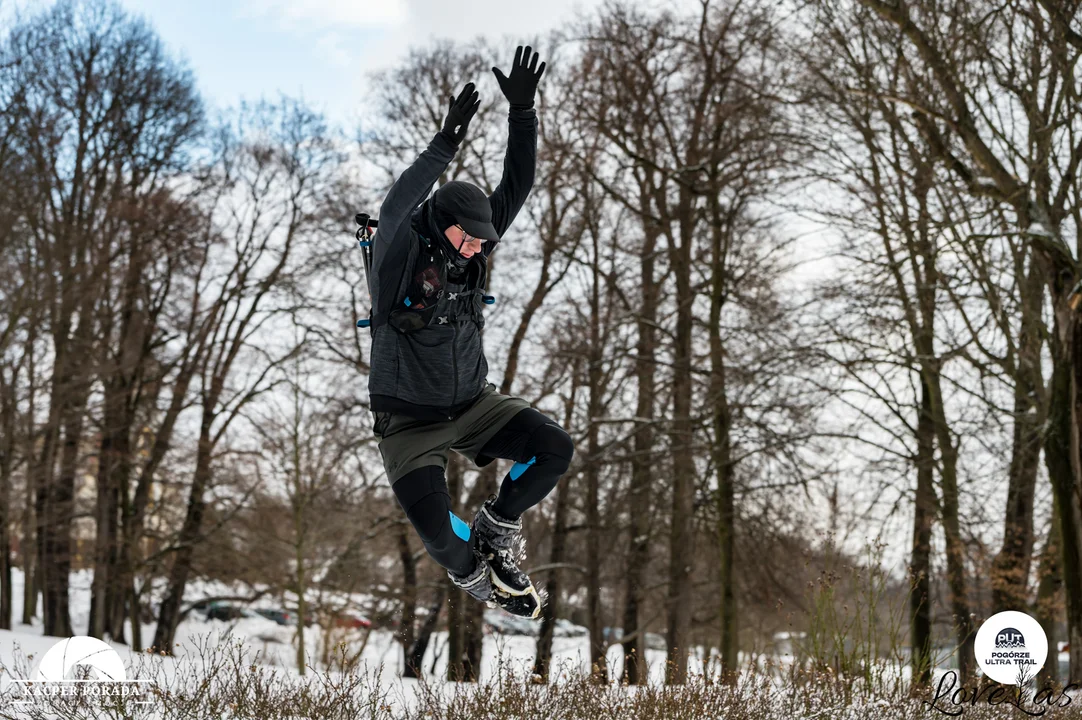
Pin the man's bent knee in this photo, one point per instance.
(556, 445)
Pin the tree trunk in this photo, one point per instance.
(7, 462)
(415, 656)
(721, 451)
(133, 507)
(920, 564)
(114, 460)
(135, 619)
(1062, 447)
(58, 615)
(301, 578)
(474, 621)
(681, 541)
(474, 618)
(408, 617)
(1047, 608)
(456, 640)
(74, 394)
(598, 665)
(550, 611)
(456, 597)
(642, 459)
(168, 613)
(43, 481)
(956, 578)
(29, 550)
(1011, 566)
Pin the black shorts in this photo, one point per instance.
(407, 443)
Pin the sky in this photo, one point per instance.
(321, 50)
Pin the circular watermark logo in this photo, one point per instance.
(56, 677)
(1011, 647)
(80, 650)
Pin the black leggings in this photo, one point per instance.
(542, 452)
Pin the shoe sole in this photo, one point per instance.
(536, 603)
(496, 582)
(502, 587)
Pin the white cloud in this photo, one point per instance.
(467, 20)
(334, 47)
(328, 13)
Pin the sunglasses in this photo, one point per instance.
(466, 237)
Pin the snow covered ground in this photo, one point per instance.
(265, 643)
(207, 644)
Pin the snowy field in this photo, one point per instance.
(253, 659)
(264, 643)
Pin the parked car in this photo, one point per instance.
(341, 619)
(351, 621)
(655, 641)
(610, 635)
(566, 628)
(279, 616)
(504, 624)
(224, 611)
(202, 606)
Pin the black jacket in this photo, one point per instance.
(438, 371)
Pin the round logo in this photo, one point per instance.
(61, 658)
(1011, 647)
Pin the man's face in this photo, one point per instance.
(467, 244)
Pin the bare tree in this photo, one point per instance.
(101, 113)
(685, 115)
(277, 163)
(1023, 53)
(308, 449)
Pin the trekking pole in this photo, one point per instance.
(364, 239)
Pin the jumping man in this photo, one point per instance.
(428, 384)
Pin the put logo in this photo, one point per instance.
(1011, 647)
(1010, 638)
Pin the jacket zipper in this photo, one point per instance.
(454, 365)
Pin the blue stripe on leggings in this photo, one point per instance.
(459, 526)
(518, 468)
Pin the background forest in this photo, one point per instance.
(800, 279)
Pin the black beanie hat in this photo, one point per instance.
(468, 205)
(442, 218)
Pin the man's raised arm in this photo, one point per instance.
(413, 184)
(521, 158)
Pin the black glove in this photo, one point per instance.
(460, 113)
(519, 89)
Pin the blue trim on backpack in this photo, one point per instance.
(407, 301)
(459, 526)
(518, 468)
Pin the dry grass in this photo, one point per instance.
(220, 682)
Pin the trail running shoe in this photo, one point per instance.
(501, 546)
